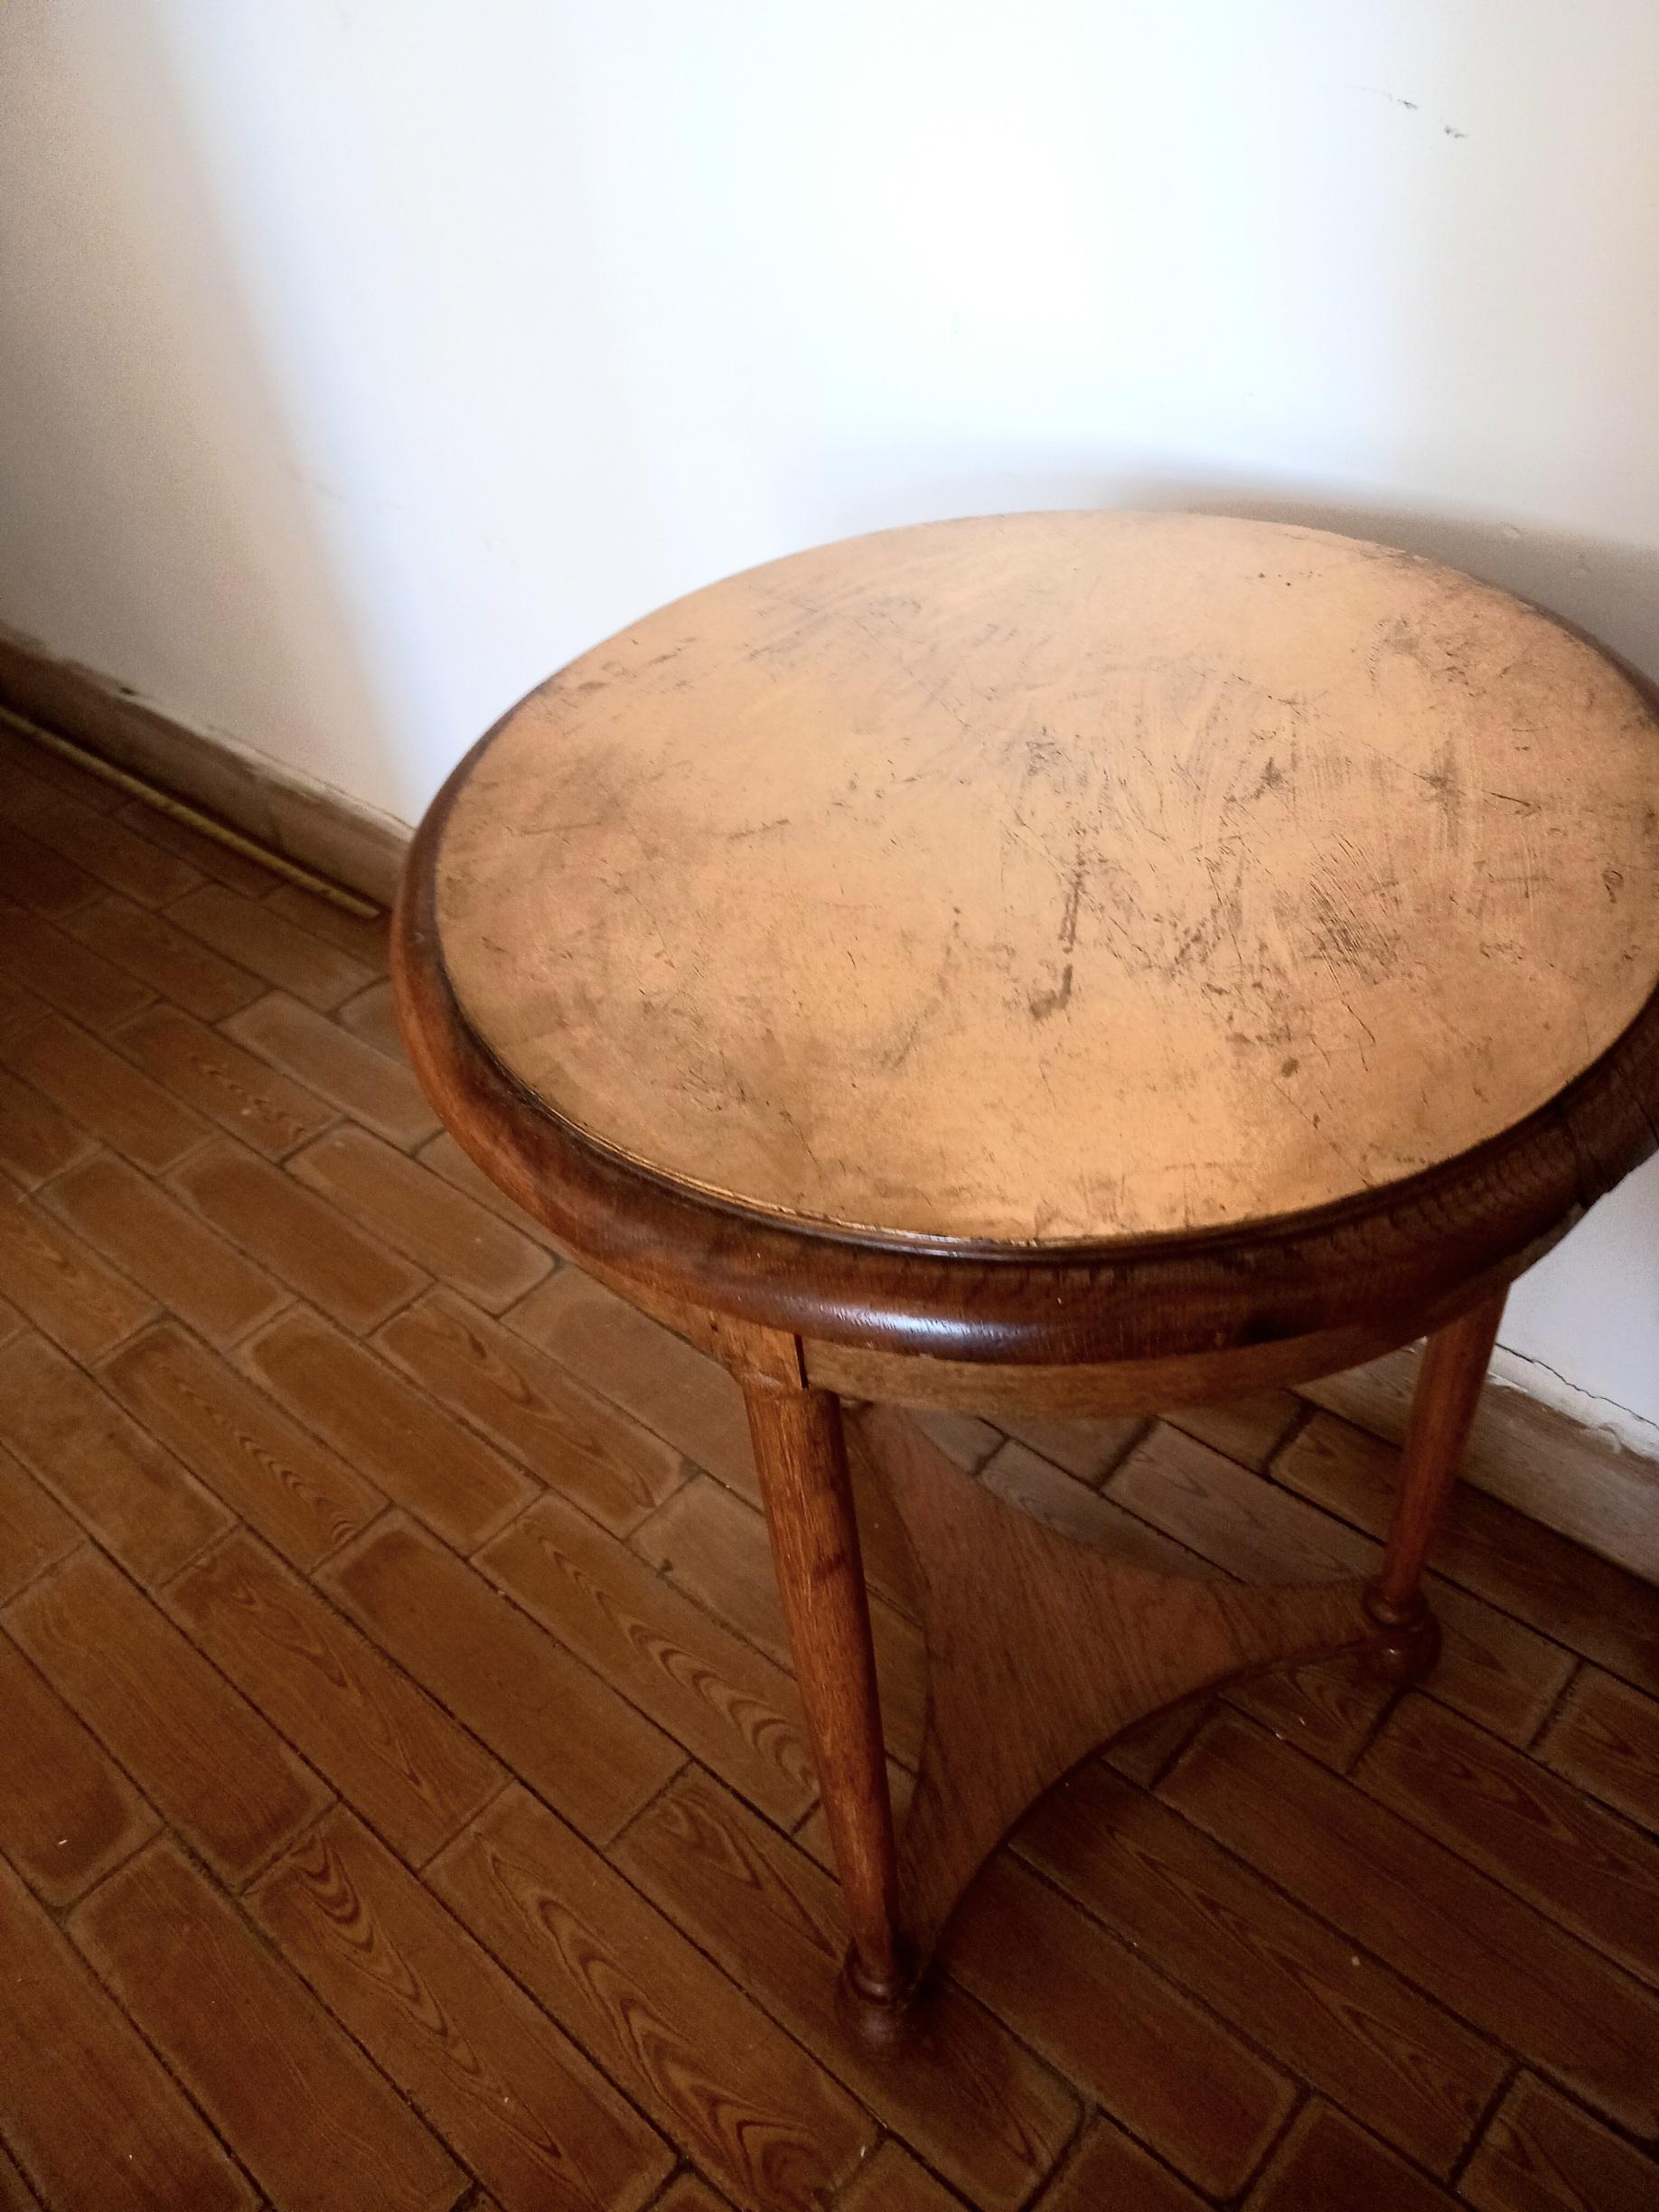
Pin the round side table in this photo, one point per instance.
(1076, 963)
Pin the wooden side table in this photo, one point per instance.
(1075, 963)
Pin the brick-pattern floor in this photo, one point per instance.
(403, 1800)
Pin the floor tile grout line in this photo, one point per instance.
(113, 1999)
(1486, 2036)
(237, 1901)
(1639, 1834)
(152, 1597)
(185, 1197)
(1237, 2031)
(1305, 2094)
(60, 1912)
(431, 1293)
(1534, 1743)
(486, 1950)
(164, 1184)
(1494, 2104)
(328, 1599)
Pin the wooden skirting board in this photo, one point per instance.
(320, 828)
(1571, 1477)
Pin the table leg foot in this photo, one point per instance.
(881, 2015)
(1405, 1641)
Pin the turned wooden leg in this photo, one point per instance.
(801, 1459)
(1448, 1393)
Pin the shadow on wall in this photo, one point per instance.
(162, 531)
(1605, 587)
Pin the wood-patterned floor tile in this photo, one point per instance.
(100, 1090)
(221, 863)
(737, 2096)
(170, 1252)
(1130, 2041)
(646, 1369)
(350, 1277)
(1328, 2164)
(1088, 1449)
(444, 1158)
(173, 964)
(1588, 1869)
(687, 2192)
(366, 937)
(381, 1741)
(113, 1476)
(251, 932)
(1249, 1429)
(1439, 1921)
(37, 1139)
(531, 2116)
(730, 1706)
(95, 2122)
(1542, 2154)
(108, 851)
(969, 2097)
(39, 879)
(68, 1815)
(1062, 1502)
(219, 1078)
(299, 1496)
(381, 1093)
(1546, 1579)
(570, 1736)
(34, 1529)
(1111, 2170)
(894, 2181)
(1142, 1752)
(1606, 1739)
(714, 1547)
(382, 1426)
(372, 1016)
(1231, 1517)
(31, 771)
(1491, 1668)
(205, 1759)
(1343, 2023)
(451, 1236)
(15, 2195)
(232, 2021)
(60, 971)
(566, 1434)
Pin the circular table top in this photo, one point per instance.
(1041, 879)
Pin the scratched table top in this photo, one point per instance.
(1047, 878)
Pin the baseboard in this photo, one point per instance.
(320, 828)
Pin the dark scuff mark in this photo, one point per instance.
(1045, 1003)
(1068, 920)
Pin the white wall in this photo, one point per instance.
(363, 359)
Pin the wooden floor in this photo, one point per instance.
(403, 1800)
